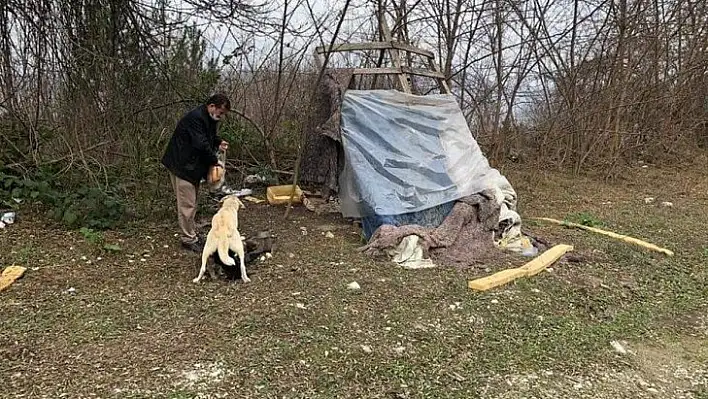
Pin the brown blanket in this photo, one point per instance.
(465, 238)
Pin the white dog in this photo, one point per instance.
(224, 235)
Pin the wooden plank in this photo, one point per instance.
(353, 47)
(374, 46)
(396, 71)
(442, 83)
(394, 54)
(412, 49)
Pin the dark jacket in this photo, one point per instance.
(193, 146)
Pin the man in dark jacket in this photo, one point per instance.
(189, 155)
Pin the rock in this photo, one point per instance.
(254, 179)
(366, 348)
(648, 200)
(618, 347)
(353, 286)
(8, 218)
(329, 234)
(667, 204)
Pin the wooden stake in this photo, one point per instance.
(621, 237)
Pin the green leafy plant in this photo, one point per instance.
(271, 178)
(96, 238)
(585, 219)
(14, 190)
(89, 207)
(91, 235)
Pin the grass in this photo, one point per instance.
(135, 326)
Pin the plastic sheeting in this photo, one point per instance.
(406, 153)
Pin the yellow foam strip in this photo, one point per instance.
(621, 237)
(541, 262)
(10, 274)
(496, 279)
(531, 268)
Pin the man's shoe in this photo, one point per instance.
(196, 246)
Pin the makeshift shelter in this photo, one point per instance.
(409, 168)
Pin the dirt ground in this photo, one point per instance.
(85, 322)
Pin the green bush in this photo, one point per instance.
(85, 206)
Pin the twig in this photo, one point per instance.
(14, 147)
(93, 147)
(246, 117)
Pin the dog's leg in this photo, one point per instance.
(202, 270)
(209, 248)
(244, 276)
(237, 247)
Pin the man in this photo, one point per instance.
(189, 155)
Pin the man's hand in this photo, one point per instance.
(223, 146)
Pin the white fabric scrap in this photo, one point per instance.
(409, 254)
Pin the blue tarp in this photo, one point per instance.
(404, 154)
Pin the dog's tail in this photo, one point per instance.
(223, 250)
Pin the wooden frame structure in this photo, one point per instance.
(394, 50)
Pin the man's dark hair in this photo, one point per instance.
(220, 100)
